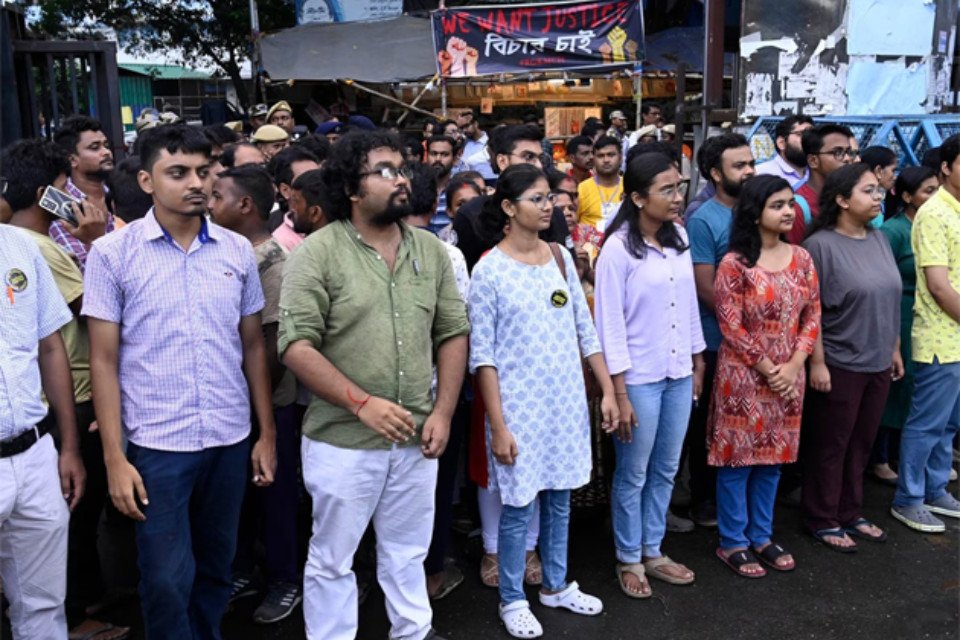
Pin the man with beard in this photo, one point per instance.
(91, 162)
(367, 304)
(176, 356)
(306, 203)
(580, 155)
(727, 162)
(240, 201)
(441, 155)
(285, 167)
(790, 162)
(601, 194)
(827, 148)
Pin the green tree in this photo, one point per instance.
(212, 32)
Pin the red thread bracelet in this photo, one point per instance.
(362, 403)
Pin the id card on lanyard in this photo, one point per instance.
(608, 207)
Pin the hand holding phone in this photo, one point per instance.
(59, 203)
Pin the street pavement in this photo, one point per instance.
(907, 588)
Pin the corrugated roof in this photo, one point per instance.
(164, 71)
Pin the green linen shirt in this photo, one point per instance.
(380, 329)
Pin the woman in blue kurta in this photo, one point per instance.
(530, 325)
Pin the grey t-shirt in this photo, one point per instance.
(860, 291)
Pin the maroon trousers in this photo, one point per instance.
(843, 426)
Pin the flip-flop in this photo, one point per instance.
(94, 629)
(655, 568)
(852, 530)
(773, 552)
(637, 570)
(737, 559)
(452, 578)
(822, 534)
(572, 599)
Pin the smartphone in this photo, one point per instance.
(59, 203)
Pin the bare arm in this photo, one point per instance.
(274, 365)
(451, 364)
(503, 444)
(703, 275)
(325, 381)
(264, 454)
(946, 297)
(58, 387)
(126, 485)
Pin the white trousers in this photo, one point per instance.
(393, 488)
(34, 521)
(490, 506)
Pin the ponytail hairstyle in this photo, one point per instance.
(745, 228)
(641, 173)
(512, 183)
(839, 183)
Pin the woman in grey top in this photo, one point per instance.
(856, 357)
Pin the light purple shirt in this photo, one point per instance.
(181, 359)
(646, 311)
(777, 166)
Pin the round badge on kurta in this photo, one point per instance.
(559, 298)
(16, 280)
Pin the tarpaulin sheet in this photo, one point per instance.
(394, 50)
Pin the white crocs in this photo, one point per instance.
(574, 600)
(519, 620)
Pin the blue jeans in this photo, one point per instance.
(512, 552)
(926, 440)
(745, 498)
(647, 465)
(186, 544)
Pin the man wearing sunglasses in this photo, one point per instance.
(367, 305)
(827, 147)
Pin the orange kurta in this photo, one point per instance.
(761, 313)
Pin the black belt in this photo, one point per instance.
(22, 442)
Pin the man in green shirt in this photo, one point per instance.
(368, 306)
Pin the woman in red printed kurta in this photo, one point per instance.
(768, 307)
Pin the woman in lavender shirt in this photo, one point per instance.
(649, 329)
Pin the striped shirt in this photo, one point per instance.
(31, 309)
(60, 234)
(182, 386)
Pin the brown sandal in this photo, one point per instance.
(533, 571)
(490, 570)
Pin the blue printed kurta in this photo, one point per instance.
(535, 346)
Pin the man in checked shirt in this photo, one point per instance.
(177, 354)
(91, 161)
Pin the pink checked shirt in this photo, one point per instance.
(58, 230)
(181, 359)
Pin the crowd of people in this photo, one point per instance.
(235, 321)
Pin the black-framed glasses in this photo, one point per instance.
(539, 200)
(839, 154)
(389, 173)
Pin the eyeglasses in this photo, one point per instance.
(671, 192)
(529, 157)
(838, 154)
(539, 200)
(877, 193)
(389, 173)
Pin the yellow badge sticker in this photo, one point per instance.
(559, 298)
(16, 280)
